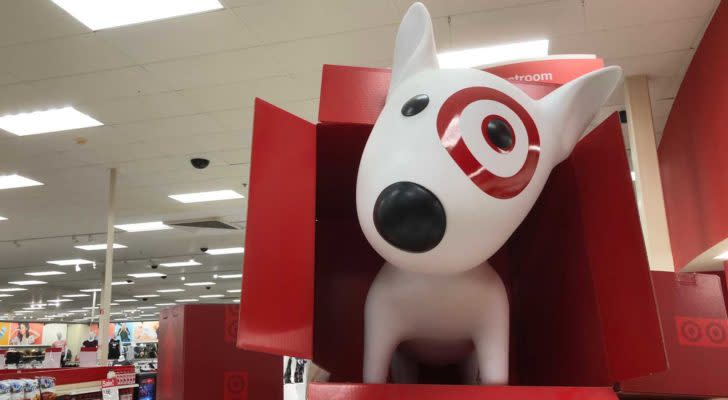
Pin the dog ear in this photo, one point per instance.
(414, 48)
(572, 106)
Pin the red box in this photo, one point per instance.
(582, 306)
(198, 358)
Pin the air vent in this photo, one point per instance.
(204, 223)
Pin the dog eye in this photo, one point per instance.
(415, 105)
(498, 133)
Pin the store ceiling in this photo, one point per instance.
(180, 88)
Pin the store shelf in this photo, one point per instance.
(92, 387)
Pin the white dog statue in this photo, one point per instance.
(453, 165)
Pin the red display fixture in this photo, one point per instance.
(198, 358)
(693, 163)
(695, 329)
(582, 306)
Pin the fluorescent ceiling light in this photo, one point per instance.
(12, 289)
(125, 301)
(3, 219)
(45, 121)
(141, 296)
(74, 261)
(211, 296)
(146, 308)
(102, 14)
(90, 290)
(230, 276)
(170, 290)
(91, 308)
(113, 304)
(59, 300)
(186, 300)
(480, 56)
(45, 273)
(164, 304)
(5, 295)
(200, 284)
(144, 227)
(722, 256)
(207, 196)
(75, 295)
(146, 275)
(92, 247)
(121, 283)
(236, 301)
(190, 263)
(16, 181)
(234, 291)
(22, 312)
(229, 250)
(27, 283)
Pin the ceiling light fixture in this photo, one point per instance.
(93, 247)
(147, 275)
(229, 250)
(45, 273)
(75, 295)
(3, 218)
(74, 261)
(102, 14)
(200, 284)
(45, 121)
(170, 290)
(143, 296)
(116, 283)
(5, 295)
(125, 301)
(16, 181)
(480, 56)
(12, 289)
(234, 291)
(90, 290)
(190, 263)
(211, 296)
(27, 283)
(722, 256)
(146, 308)
(144, 227)
(230, 276)
(186, 300)
(59, 300)
(164, 304)
(200, 197)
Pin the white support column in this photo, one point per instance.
(648, 183)
(104, 308)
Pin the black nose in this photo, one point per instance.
(409, 217)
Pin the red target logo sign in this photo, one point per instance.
(236, 386)
(702, 332)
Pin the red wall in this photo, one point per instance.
(693, 153)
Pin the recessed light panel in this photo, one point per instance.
(476, 57)
(102, 14)
(186, 300)
(207, 196)
(125, 301)
(146, 275)
(45, 121)
(27, 283)
(164, 304)
(230, 276)
(229, 250)
(71, 296)
(93, 247)
(190, 263)
(12, 289)
(3, 219)
(170, 290)
(117, 283)
(234, 291)
(16, 181)
(90, 290)
(74, 261)
(142, 296)
(45, 273)
(200, 284)
(722, 256)
(211, 296)
(144, 227)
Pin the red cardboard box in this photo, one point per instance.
(198, 358)
(583, 312)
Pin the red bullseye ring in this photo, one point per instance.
(448, 128)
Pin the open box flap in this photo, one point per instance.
(276, 305)
(584, 306)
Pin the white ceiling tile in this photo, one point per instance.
(279, 20)
(507, 25)
(139, 108)
(664, 87)
(652, 65)
(33, 20)
(181, 37)
(361, 48)
(443, 8)
(631, 41)
(240, 119)
(169, 128)
(60, 57)
(218, 68)
(661, 108)
(610, 14)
